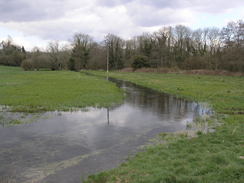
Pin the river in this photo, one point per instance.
(62, 147)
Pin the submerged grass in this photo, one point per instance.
(34, 91)
(208, 158)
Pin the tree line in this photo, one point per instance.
(178, 46)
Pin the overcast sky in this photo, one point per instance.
(36, 22)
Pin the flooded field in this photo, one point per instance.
(68, 146)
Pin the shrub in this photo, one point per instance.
(71, 64)
(27, 65)
(140, 61)
(196, 62)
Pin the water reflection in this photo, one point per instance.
(108, 114)
(62, 146)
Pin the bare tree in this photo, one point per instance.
(82, 45)
(53, 49)
(114, 46)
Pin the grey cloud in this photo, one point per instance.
(148, 16)
(27, 10)
(212, 6)
(111, 3)
(24, 10)
(60, 19)
(156, 20)
(159, 12)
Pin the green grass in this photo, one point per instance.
(224, 93)
(208, 158)
(34, 91)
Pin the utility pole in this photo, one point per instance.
(107, 60)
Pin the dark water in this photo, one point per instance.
(66, 147)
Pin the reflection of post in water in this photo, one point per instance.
(2, 121)
(108, 115)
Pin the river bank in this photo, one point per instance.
(213, 157)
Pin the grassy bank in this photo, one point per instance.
(33, 91)
(210, 158)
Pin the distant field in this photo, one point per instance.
(32, 91)
(209, 158)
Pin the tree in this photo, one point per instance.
(82, 45)
(140, 61)
(10, 53)
(53, 50)
(178, 46)
(114, 45)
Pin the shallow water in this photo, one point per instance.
(68, 146)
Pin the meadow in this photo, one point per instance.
(208, 158)
(35, 91)
(204, 158)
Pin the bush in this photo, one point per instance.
(71, 64)
(140, 61)
(196, 62)
(27, 65)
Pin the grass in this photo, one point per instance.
(34, 91)
(208, 158)
(224, 93)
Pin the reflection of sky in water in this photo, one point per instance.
(57, 136)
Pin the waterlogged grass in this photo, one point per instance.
(208, 158)
(8, 119)
(33, 91)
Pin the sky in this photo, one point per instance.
(36, 22)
